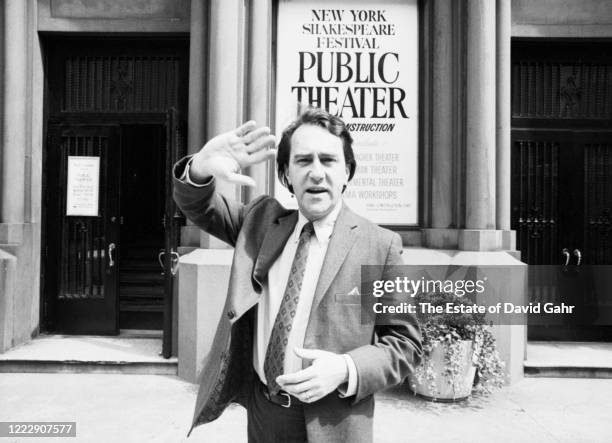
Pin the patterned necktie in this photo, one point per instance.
(275, 354)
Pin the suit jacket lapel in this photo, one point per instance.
(272, 245)
(341, 242)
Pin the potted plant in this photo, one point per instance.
(460, 353)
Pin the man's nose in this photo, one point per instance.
(317, 172)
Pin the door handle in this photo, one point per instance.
(578, 255)
(159, 258)
(566, 254)
(175, 262)
(111, 248)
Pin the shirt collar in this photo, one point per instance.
(323, 227)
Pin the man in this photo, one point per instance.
(292, 348)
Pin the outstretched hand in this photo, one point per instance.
(225, 155)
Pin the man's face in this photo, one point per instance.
(317, 170)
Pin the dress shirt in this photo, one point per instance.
(274, 289)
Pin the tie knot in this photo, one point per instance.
(308, 229)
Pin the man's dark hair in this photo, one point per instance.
(323, 119)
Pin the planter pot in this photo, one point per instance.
(444, 389)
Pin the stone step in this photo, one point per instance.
(141, 306)
(140, 277)
(569, 360)
(128, 353)
(140, 290)
(169, 367)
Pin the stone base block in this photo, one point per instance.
(11, 233)
(469, 239)
(203, 282)
(190, 235)
(8, 274)
(480, 240)
(439, 238)
(509, 240)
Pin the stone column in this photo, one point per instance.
(226, 61)
(258, 93)
(204, 273)
(443, 139)
(14, 128)
(504, 30)
(225, 68)
(198, 36)
(480, 224)
(442, 113)
(197, 116)
(510, 338)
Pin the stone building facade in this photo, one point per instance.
(138, 84)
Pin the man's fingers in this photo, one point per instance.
(299, 388)
(296, 377)
(260, 143)
(245, 128)
(240, 179)
(261, 156)
(255, 134)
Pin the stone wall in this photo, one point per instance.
(561, 18)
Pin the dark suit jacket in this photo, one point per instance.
(383, 354)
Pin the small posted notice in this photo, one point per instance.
(83, 189)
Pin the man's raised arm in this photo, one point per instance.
(221, 158)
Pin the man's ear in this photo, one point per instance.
(347, 171)
(289, 185)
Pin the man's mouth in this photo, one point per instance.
(316, 190)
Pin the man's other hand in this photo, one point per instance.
(224, 156)
(327, 372)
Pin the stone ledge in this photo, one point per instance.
(469, 239)
(567, 371)
(426, 256)
(11, 233)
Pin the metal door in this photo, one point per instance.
(82, 229)
(562, 198)
(562, 179)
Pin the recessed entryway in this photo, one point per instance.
(562, 180)
(110, 227)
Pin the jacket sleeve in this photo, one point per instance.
(209, 210)
(397, 349)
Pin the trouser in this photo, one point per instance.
(272, 423)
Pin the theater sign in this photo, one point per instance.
(359, 61)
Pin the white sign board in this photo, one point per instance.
(83, 188)
(358, 60)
